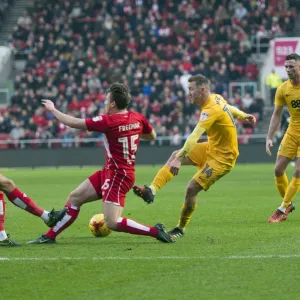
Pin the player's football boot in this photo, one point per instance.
(42, 240)
(289, 210)
(56, 216)
(144, 192)
(9, 242)
(176, 232)
(279, 216)
(163, 236)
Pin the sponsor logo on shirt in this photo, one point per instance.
(204, 116)
(96, 119)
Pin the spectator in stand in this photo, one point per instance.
(273, 81)
(68, 138)
(233, 73)
(74, 52)
(16, 134)
(176, 137)
(247, 100)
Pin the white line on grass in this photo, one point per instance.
(233, 257)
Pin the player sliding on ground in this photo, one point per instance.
(214, 158)
(122, 131)
(288, 93)
(21, 200)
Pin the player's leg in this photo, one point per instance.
(115, 221)
(188, 207)
(21, 200)
(3, 234)
(210, 172)
(281, 180)
(164, 175)
(4, 237)
(287, 151)
(293, 186)
(84, 193)
(114, 194)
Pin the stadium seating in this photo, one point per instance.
(75, 52)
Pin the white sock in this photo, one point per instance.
(282, 209)
(45, 216)
(3, 235)
(151, 187)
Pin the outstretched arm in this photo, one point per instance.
(191, 141)
(274, 124)
(241, 115)
(64, 118)
(186, 149)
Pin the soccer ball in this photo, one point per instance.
(98, 227)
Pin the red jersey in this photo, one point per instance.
(121, 137)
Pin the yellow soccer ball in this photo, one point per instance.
(98, 227)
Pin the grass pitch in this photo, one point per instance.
(229, 250)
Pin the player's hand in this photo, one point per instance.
(250, 119)
(269, 143)
(175, 166)
(48, 104)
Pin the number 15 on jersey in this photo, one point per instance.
(129, 146)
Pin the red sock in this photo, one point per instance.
(21, 200)
(132, 227)
(2, 212)
(66, 221)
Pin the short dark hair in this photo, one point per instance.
(200, 80)
(120, 93)
(294, 56)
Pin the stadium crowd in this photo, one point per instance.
(75, 49)
(4, 7)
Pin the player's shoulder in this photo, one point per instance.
(283, 86)
(129, 117)
(218, 98)
(136, 115)
(216, 103)
(99, 118)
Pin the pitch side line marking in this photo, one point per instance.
(233, 257)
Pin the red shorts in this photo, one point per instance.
(112, 185)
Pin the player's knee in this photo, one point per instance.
(74, 198)
(172, 157)
(297, 172)
(191, 191)
(190, 203)
(6, 185)
(111, 223)
(278, 170)
(174, 153)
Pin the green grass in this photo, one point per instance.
(229, 250)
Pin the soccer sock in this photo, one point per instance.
(21, 200)
(3, 235)
(133, 227)
(292, 189)
(185, 217)
(282, 183)
(67, 220)
(162, 177)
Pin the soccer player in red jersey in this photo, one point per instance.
(122, 131)
(21, 200)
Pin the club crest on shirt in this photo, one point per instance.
(99, 118)
(204, 116)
